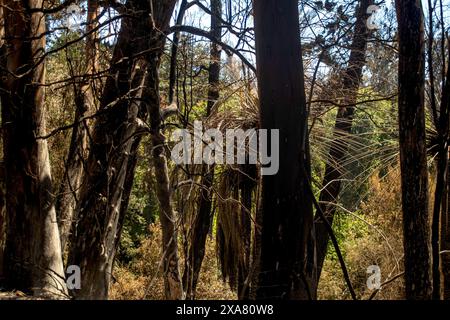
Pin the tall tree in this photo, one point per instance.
(413, 156)
(2, 216)
(441, 122)
(202, 219)
(168, 218)
(351, 79)
(85, 104)
(441, 228)
(286, 197)
(440, 110)
(33, 259)
(445, 242)
(110, 162)
(2, 167)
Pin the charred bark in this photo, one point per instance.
(413, 153)
(2, 166)
(445, 242)
(97, 229)
(286, 201)
(439, 196)
(2, 218)
(444, 223)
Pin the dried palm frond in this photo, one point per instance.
(234, 224)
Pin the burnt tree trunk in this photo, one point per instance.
(351, 80)
(440, 119)
(445, 241)
(438, 231)
(97, 228)
(84, 103)
(32, 259)
(444, 232)
(438, 207)
(286, 198)
(2, 165)
(202, 220)
(2, 217)
(413, 153)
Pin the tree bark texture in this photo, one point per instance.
(413, 153)
(97, 228)
(286, 201)
(444, 232)
(168, 218)
(76, 156)
(32, 259)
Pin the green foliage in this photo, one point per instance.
(348, 230)
(373, 147)
(142, 211)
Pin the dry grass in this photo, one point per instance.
(373, 236)
(379, 244)
(143, 277)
